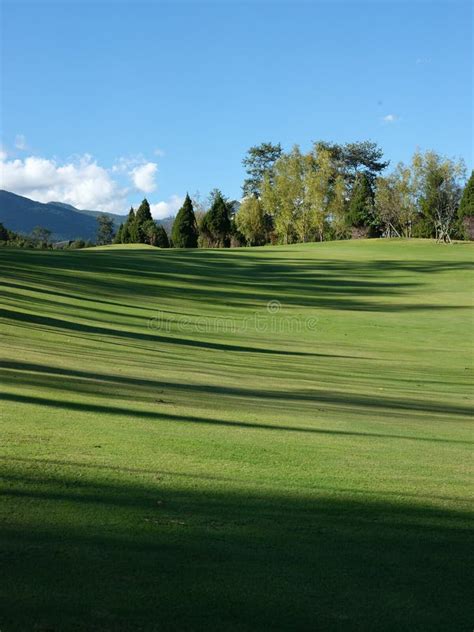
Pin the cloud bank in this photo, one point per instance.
(82, 182)
(85, 184)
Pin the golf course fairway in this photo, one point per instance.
(273, 438)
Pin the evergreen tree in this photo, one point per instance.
(3, 233)
(142, 217)
(466, 206)
(352, 159)
(149, 232)
(155, 235)
(206, 238)
(143, 213)
(363, 158)
(184, 232)
(125, 236)
(218, 222)
(105, 230)
(128, 231)
(118, 236)
(361, 205)
(162, 240)
(259, 162)
(134, 233)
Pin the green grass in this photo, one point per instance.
(176, 457)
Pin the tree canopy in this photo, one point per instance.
(259, 163)
(331, 191)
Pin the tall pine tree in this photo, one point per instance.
(218, 222)
(105, 230)
(128, 230)
(142, 216)
(118, 235)
(258, 163)
(162, 240)
(185, 232)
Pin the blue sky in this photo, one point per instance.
(106, 102)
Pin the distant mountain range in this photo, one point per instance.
(22, 215)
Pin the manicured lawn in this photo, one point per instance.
(178, 455)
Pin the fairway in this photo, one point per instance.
(273, 438)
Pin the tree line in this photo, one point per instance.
(333, 191)
(342, 191)
(39, 238)
(139, 227)
(195, 225)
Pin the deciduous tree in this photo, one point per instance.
(250, 221)
(439, 190)
(337, 210)
(283, 198)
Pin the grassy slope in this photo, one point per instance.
(175, 457)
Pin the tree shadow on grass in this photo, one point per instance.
(162, 416)
(159, 473)
(90, 555)
(111, 387)
(236, 278)
(67, 325)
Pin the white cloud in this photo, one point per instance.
(80, 182)
(20, 142)
(125, 164)
(169, 208)
(143, 177)
(85, 184)
(390, 118)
